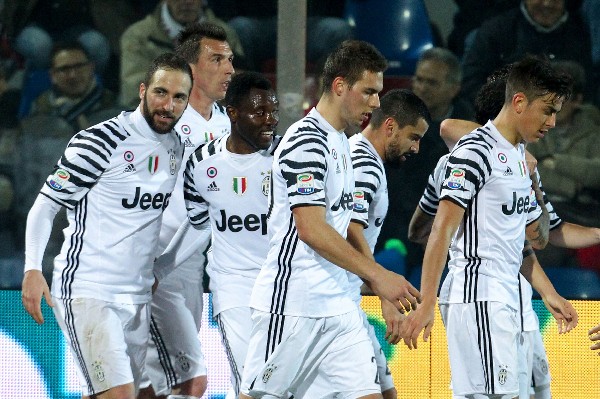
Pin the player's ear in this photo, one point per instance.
(519, 102)
(337, 87)
(232, 113)
(389, 126)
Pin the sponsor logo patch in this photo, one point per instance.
(212, 187)
(305, 183)
(188, 143)
(502, 157)
(508, 171)
(185, 129)
(129, 168)
(359, 200)
(59, 179)
(456, 179)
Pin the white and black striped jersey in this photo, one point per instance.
(115, 179)
(488, 177)
(370, 195)
(230, 190)
(429, 205)
(311, 167)
(194, 131)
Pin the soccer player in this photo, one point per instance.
(532, 347)
(115, 179)
(563, 234)
(226, 185)
(307, 337)
(175, 361)
(486, 197)
(393, 134)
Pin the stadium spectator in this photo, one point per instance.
(76, 93)
(156, 34)
(541, 27)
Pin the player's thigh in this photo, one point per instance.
(347, 368)
(483, 339)
(235, 326)
(280, 351)
(108, 341)
(174, 351)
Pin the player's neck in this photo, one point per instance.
(331, 112)
(376, 139)
(201, 104)
(506, 125)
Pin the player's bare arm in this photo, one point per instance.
(570, 235)
(452, 130)
(420, 226)
(538, 231)
(445, 224)
(562, 310)
(322, 238)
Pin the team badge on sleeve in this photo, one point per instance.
(359, 200)
(58, 179)
(456, 179)
(305, 183)
(240, 184)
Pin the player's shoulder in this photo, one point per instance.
(209, 151)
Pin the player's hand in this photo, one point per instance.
(594, 334)
(417, 321)
(33, 288)
(562, 310)
(396, 289)
(393, 320)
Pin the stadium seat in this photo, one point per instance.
(574, 283)
(400, 29)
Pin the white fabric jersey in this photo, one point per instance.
(370, 195)
(311, 167)
(488, 177)
(194, 131)
(231, 191)
(115, 179)
(429, 204)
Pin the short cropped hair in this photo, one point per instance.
(169, 62)
(349, 60)
(447, 58)
(535, 77)
(189, 39)
(403, 105)
(242, 83)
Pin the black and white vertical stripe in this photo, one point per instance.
(484, 341)
(75, 345)
(163, 354)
